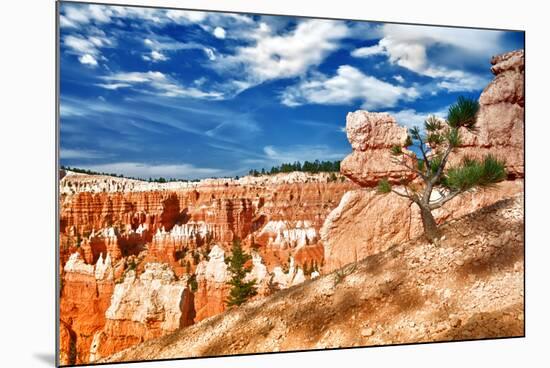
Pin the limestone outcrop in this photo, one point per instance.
(112, 228)
(85, 296)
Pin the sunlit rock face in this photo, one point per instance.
(143, 307)
(85, 296)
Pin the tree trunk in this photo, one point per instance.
(431, 232)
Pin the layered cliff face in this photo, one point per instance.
(129, 249)
(365, 223)
(85, 296)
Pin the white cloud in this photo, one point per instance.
(158, 81)
(87, 49)
(144, 170)
(411, 117)
(84, 14)
(219, 32)
(407, 47)
(399, 78)
(209, 53)
(88, 59)
(368, 51)
(155, 56)
(348, 85)
(185, 15)
(274, 56)
(113, 86)
(74, 15)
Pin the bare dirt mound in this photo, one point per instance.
(469, 286)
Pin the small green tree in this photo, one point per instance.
(241, 290)
(440, 139)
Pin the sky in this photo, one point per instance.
(148, 92)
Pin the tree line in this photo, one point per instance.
(307, 166)
(150, 180)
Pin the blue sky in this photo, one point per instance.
(150, 92)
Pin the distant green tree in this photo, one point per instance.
(241, 290)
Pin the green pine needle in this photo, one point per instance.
(463, 113)
(471, 173)
(384, 186)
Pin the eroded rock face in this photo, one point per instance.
(85, 296)
(501, 116)
(141, 308)
(371, 136)
(212, 288)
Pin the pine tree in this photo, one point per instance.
(241, 290)
(441, 139)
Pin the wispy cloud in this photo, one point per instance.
(158, 82)
(348, 85)
(66, 153)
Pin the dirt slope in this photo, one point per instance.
(468, 286)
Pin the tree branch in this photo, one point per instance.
(440, 202)
(439, 171)
(403, 163)
(428, 164)
(404, 195)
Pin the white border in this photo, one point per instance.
(27, 184)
